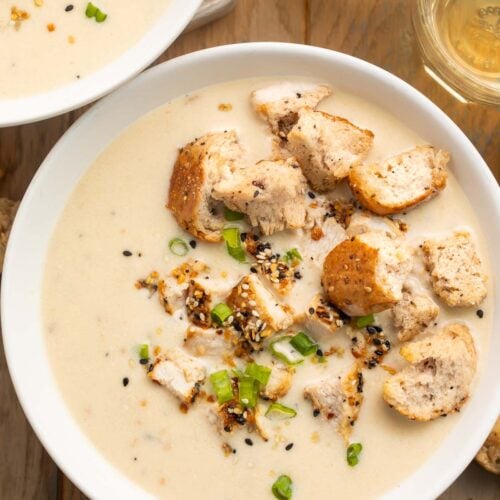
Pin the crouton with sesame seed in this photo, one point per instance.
(455, 269)
(400, 182)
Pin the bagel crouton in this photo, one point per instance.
(200, 164)
(327, 147)
(270, 193)
(438, 380)
(455, 269)
(413, 314)
(400, 182)
(365, 274)
(489, 454)
(280, 103)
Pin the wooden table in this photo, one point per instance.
(378, 31)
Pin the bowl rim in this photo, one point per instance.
(412, 486)
(78, 93)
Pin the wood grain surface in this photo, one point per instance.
(378, 31)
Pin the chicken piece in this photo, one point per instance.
(365, 222)
(489, 454)
(438, 380)
(8, 209)
(270, 193)
(180, 373)
(456, 270)
(327, 147)
(199, 166)
(209, 342)
(170, 292)
(365, 274)
(257, 314)
(401, 182)
(279, 382)
(338, 400)
(280, 103)
(413, 314)
(323, 318)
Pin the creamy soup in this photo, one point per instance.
(115, 230)
(47, 44)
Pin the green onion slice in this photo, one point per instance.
(353, 451)
(304, 344)
(282, 349)
(258, 372)
(292, 254)
(231, 236)
(277, 411)
(144, 351)
(363, 321)
(91, 10)
(249, 391)
(220, 313)
(231, 215)
(178, 247)
(100, 16)
(221, 382)
(282, 488)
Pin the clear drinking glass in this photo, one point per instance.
(460, 44)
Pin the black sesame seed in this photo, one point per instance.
(249, 442)
(192, 244)
(378, 329)
(69, 8)
(297, 275)
(377, 341)
(480, 313)
(319, 353)
(379, 353)
(135, 459)
(371, 329)
(125, 381)
(316, 413)
(227, 428)
(127, 253)
(354, 340)
(243, 236)
(311, 310)
(144, 361)
(311, 195)
(234, 451)
(289, 446)
(253, 270)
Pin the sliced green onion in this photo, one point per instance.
(100, 16)
(144, 351)
(304, 344)
(249, 391)
(220, 313)
(258, 372)
(363, 321)
(231, 236)
(284, 351)
(277, 411)
(282, 488)
(91, 10)
(292, 254)
(237, 373)
(221, 382)
(353, 452)
(178, 246)
(231, 215)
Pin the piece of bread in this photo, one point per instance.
(280, 103)
(338, 399)
(327, 147)
(201, 164)
(364, 221)
(489, 454)
(271, 193)
(413, 314)
(365, 274)
(8, 209)
(455, 269)
(279, 382)
(437, 382)
(400, 182)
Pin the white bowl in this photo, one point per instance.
(54, 182)
(80, 92)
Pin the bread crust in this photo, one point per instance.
(489, 454)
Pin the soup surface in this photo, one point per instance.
(47, 44)
(95, 319)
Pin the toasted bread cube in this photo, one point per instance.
(257, 314)
(401, 182)
(270, 193)
(327, 147)
(338, 401)
(489, 454)
(456, 270)
(280, 103)
(199, 166)
(437, 382)
(413, 314)
(365, 274)
(279, 382)
(180, 373)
